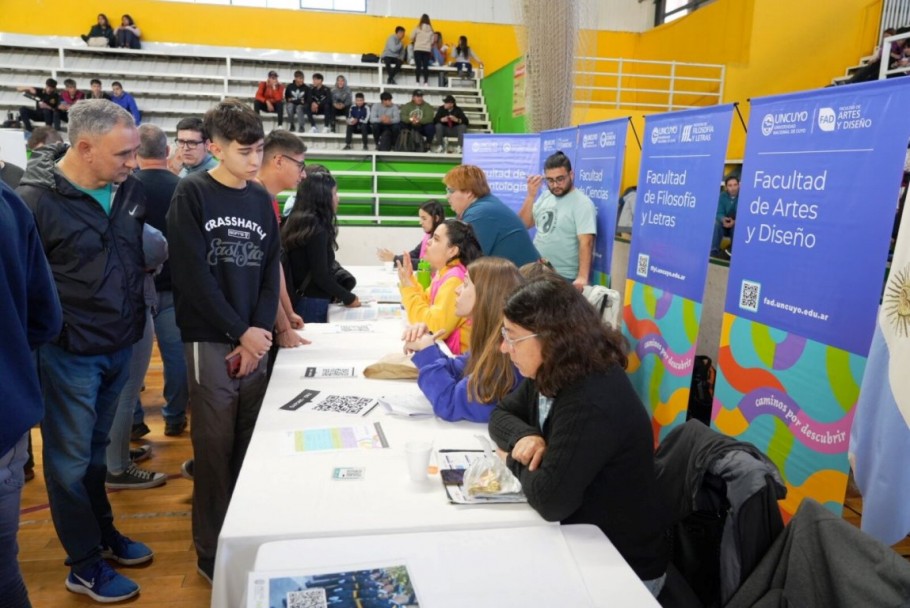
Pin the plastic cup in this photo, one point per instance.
(418, 454)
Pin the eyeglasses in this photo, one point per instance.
(189, 144)
(450, 190)
(300, 163)
(511, 342)
(557, 180)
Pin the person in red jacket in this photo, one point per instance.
(270, 97)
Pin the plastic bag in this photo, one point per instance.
(487, 475)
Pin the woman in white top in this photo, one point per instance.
(422, 39)
(463, 56)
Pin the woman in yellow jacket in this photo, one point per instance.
(451, 248)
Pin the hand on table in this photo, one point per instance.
(529, 451)
(355, 304)
(295, 320)
(418, 337)
(291, 339)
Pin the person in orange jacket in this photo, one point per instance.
(270, 97)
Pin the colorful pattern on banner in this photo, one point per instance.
(564, 140)
(809, 255)
(678, 185)
(507, 161)
(598, 173)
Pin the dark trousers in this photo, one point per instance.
(127, 39)
(379, 128)
(444, 131)
(428, 131)
(27, 115)
(325, 108)
(362, 128)
(392, 66)
(278, 105)
(224, 415)
(422, 63)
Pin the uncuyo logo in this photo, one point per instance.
(767, 124)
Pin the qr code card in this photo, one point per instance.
(644, 261)
(348, 473)
(307, 598)
(327, 371)
(344, 404)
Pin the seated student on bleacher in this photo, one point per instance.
(358, 121)
(46, 100)
(309, 237)
(431, 214)
(295, 95)
(574, 432)
(450, 121)
(96, 92)
(463, 56)
(341, 100)
(452, 247)
(100, 34)
(192, 147)
(68, 98)
(125, 101)
(393, 54)
(270, 96)
(440, 51)
(385, 122)
(469, 386)
(319, 101)
(127, 35)
(418, 115)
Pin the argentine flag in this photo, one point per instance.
(880, 439)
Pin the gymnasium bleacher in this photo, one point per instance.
(172, 81)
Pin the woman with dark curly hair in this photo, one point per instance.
(309, 236)
(574, 432)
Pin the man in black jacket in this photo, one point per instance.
(45, 108)
(89, 213)
(319, 99)
(450, 121)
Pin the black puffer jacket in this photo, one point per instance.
(96, 258)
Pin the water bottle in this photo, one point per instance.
(424, 274)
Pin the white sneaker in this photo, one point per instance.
(314, 130)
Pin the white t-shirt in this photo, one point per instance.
(559, 221)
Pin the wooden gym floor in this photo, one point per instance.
(159, 517)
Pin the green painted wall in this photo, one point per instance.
(497, 92)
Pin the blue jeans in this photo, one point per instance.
(80, 399)
(170, 344)
(313, 310)
(719, 233)
(12, 587)
(118, 452)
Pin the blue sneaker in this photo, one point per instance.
(101, 583)
(126, 551)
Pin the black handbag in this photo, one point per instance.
(369, 58)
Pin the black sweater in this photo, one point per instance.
(315, 259)
(599, 464)
(224, 244)
(443, 114)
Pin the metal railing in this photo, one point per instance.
(647, 84)
(895, 13)
(884, 69)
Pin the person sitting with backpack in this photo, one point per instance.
(385, 122)
(416, 124)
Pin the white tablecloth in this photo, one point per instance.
(539, 566)
(281, 495)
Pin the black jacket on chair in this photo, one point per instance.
(723, 497)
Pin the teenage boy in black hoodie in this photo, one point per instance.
(222, 228)
(318, 101)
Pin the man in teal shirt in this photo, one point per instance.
(725, 219)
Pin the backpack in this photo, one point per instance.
(606, 302)
(385, 141)
(410, 140)
(369, 58)
(701, 391)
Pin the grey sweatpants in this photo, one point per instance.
(224, 412)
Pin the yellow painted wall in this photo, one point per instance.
(238, 26)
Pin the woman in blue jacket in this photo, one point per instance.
(469, 386)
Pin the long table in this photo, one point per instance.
(282, 495)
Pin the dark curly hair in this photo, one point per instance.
(574, 340)
(314, 210)
(461, 235)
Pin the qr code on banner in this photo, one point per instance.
(344, 404)
(748, 295)
(644, 260)
(309, 598)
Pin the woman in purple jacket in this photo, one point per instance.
(469, 386)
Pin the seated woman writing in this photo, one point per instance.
(452, 247)
(469, 386)
(574, 432)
